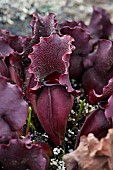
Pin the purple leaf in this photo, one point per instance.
(15, 41)
(64, 80)
(49, 56)
(3, 68)
(16, 68)
(94, 98)
(70, 24)
(16, 60)
(5, 49)
(96, 78)
(52, 106)
(100, 25)
(16, 76)
(13, 109)
(109, 108)
(82, 42)
(95, 123)
(43, 26)
(66, 24)
(21, 154)
(81, 39)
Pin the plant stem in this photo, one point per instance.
(29, 120)
(79, 114)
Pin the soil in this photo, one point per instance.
(15, 16)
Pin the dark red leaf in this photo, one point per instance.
(5, 48)
(95, 123)
(70, 24)
(29, 83)
(76, 66)
(52, 106)
(64, 80)
(109, 107)
(3, 68)
(50, 55)
(46, 148)
(100, 25)
(81, 39)
(14, 41)
(16, 68)
(82, 42)
(94, 98)
(43, 26)
(98, 75)
(66, 23)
